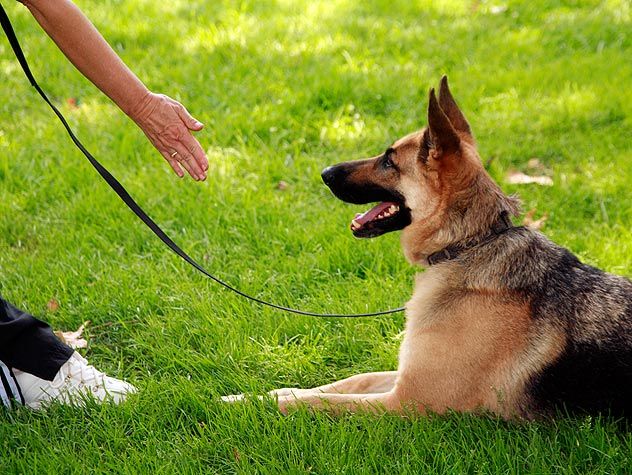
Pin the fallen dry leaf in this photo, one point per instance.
(74, 339)
(532, 223)
(52, 305)
(518, 178)
(282, 185)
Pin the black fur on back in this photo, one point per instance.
(592, 308)
(594, 373)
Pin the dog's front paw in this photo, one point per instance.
(233, 398)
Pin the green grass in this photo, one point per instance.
(286, 88)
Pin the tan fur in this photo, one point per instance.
(459, 347)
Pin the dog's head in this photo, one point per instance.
(430, 183)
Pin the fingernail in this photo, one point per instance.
(199, 124)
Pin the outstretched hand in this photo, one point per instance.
(168, 126)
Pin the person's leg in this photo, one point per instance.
(9, 388)
(36, 368)
(28, 344)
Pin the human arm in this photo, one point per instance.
(164, 121)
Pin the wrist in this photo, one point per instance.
(136, 107)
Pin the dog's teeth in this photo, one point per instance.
(392, 209)
(355, 224)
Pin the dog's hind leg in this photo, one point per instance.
(366, 383)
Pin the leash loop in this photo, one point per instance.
(135, 207)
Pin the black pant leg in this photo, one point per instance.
(28, 344)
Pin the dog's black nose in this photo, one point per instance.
(328, 175)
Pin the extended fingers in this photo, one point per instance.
(188, 161)
(173, 162)
(192, 145)
(195, 149)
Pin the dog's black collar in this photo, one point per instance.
(502, 224)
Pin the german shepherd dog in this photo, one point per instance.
(503, 320)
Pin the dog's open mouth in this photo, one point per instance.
(384, 217)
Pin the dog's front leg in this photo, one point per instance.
(365, 383)
(340, 403)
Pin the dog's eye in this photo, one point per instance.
(387, 162)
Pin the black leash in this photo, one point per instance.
(138, 211)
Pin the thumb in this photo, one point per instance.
(189, 121)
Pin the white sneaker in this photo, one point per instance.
(75, 381)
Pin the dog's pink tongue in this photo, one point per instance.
(373, 212)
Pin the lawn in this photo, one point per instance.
(286, 88)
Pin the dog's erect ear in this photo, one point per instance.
(442, 132)
(451, 109)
